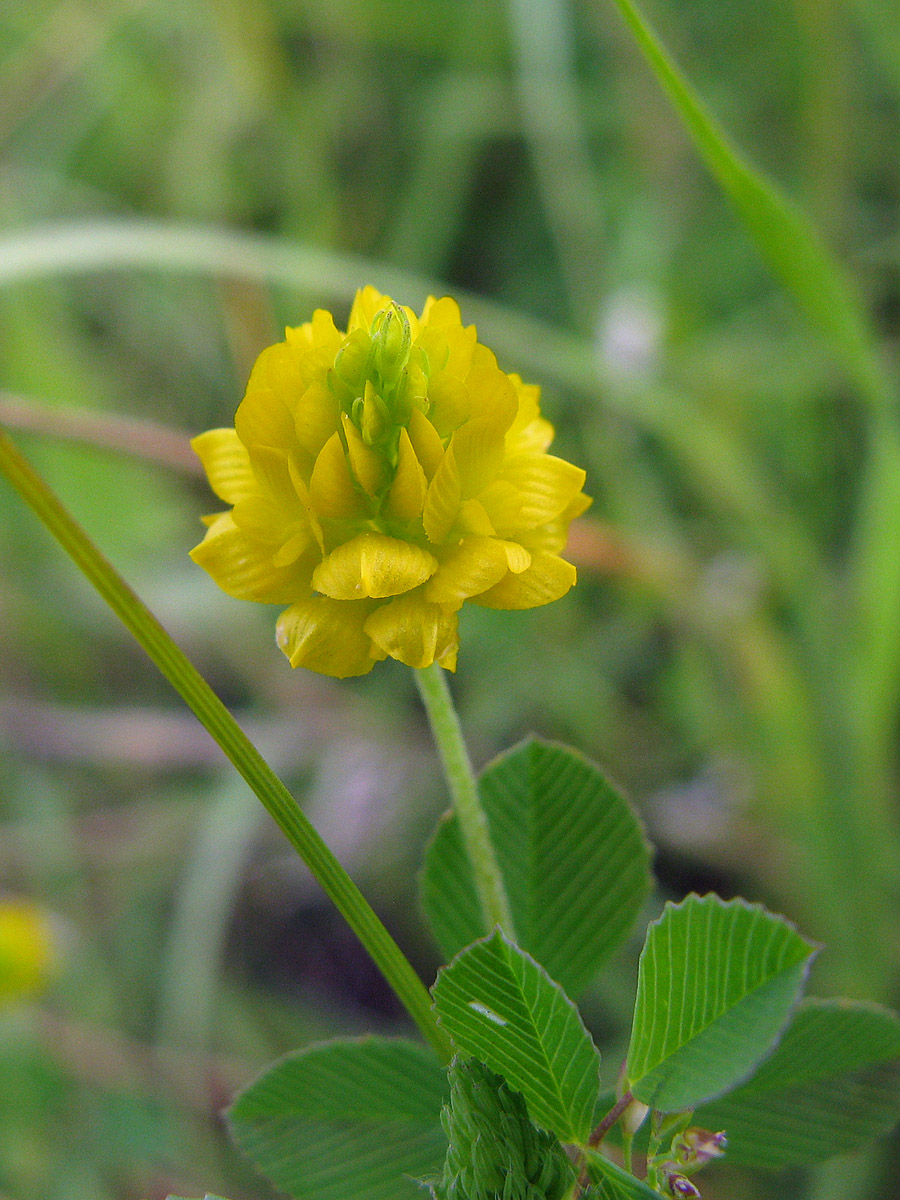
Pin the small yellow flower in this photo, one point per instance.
(27, 953)
(381, 477)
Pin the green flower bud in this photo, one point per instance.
(391, 341)
(375, 419)
(351, 365)
(496, 1152)
(413, 390)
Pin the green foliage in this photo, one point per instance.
(716, 983)
(500, 1006)
(345, 1118)
(739, 589)
(610, 1182)
(572, 854)
(782, 232)
(831, 1085)
(495, 1151)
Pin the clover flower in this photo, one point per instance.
(381, 477)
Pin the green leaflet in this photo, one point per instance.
(611, 1182)
(356, 1118)
(500, 1006)
(572, 853)
(831, 1085)
(716, 983)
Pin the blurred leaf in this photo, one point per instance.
(611, 1182)
(831, 1085)
(573, 857)
(716, 982)
(345, 1118)
(499, 1005)
(781, 231)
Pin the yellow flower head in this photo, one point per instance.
(381, 477)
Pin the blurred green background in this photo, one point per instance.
(180, 179)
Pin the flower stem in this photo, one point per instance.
(216, 718)
(472, 819)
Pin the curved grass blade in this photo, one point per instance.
(783, 234)
(218, 721)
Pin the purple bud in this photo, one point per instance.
(680, 1185)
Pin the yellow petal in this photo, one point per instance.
(316, 416)
(442, 499)
(503, 504)
(432, 344)
(332, 492)
(478, 449)
(473, 518)
(492, 395)
(469, 568)
(407, 494)
(294, 545)
(318, 334)
(366, 304)
(548, 578)
(450, 403)
(373, 564)
(444, 315)
(546, 486)
(302, 490)
(552, 537)
(263, 419)
(244, 568)
(413, 630)
(259, 519)
(426, 442)
(327, 636)
(279, 369)
(368, 467)
(226, 463)
(270, 465)
(325, 335)
(517, 556)
(529, 431)
(448, 659)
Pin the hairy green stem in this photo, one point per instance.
(216, 718)
(472, 819)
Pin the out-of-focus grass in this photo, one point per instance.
(177, 181)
